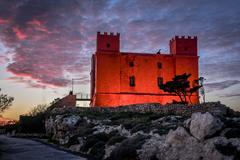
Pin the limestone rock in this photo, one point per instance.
(151, 147)
(75, 147)
(109, 149)
(187, 123)
(179, 136)
(204, 125)
(181, 145)
(192, 139)
(70, 121)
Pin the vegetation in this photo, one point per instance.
(39, 109)
(5, 101)
(128, 148)
(180, 86)
(34, 121)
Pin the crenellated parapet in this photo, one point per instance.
(108, 34)
(183, 38)
(108, 42)
(183, 45)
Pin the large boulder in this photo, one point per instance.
(179, 136)
(204, 125)
(179, 144)
(70, 122)
(151, 148)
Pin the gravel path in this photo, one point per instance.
(25, 149)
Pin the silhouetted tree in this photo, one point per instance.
(34, 120)
(5, 101)
(180, 86)
(39, 109)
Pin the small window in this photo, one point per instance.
(131, 64)
(159, 81)
(132, 81)
(108, 45)
(159, 65)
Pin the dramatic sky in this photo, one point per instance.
(46, 43)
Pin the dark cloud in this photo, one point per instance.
(53, 39)
(47, 46)
(230, 95)
(218, 70)
(214, 86)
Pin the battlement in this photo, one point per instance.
(108, 34)
(183, 38)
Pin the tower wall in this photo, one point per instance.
(183, 46)
(108, 42)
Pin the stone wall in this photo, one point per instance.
(148, 131)
(212, 107)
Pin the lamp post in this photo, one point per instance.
(202, 90)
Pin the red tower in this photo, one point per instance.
(122, 78)
(108, 42)
(183, 46)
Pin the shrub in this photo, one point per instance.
(138, 127)
(85, 130)
(124, 153)
(116, 139)
(127, 149)
(72, 140)
(233, 133)
(98, 150)
(32, 124)
(93, 139)
(228, 150)
(88, 144)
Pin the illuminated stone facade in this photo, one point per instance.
(123, 78)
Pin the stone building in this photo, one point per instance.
(123, 78)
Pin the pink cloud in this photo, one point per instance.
(29, 82)
(3, 21)
(53, 42)
(36, 22)
(20, 35)
(2, 59)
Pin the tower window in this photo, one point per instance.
(131, 64)
(132, 81)
(108, 45)
(159, 65)
(159, 81)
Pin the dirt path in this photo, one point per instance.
(25, 149)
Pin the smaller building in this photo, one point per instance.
(123, 78)
(67, 101)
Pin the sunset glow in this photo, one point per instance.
(44, 44)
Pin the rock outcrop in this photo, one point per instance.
(211, 133)
(203, 125)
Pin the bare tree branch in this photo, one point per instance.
(5, 102)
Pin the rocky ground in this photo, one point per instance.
(149, 132)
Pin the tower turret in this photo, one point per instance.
(108, 42)
(183, 45)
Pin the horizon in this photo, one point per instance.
(45, 44)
